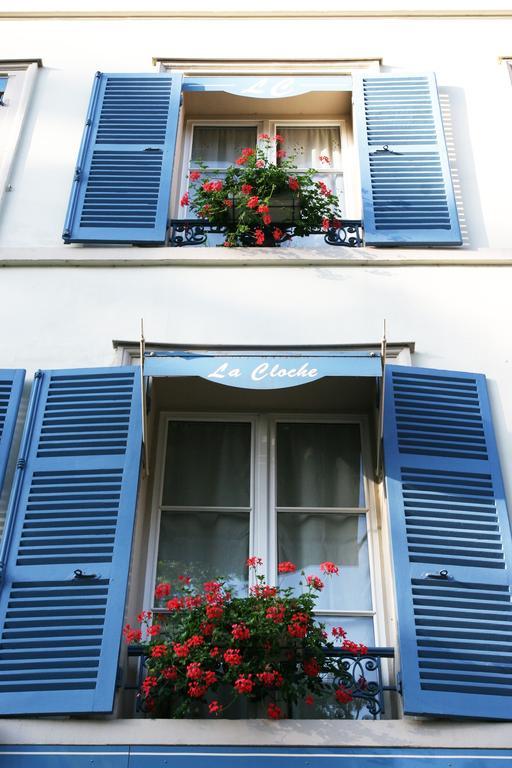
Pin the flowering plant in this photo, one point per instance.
(258, 202)
(207, 649)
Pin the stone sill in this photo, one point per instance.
(406, 733)
(76, 256)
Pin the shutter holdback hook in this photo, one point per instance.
(79, 574)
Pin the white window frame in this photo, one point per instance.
(16, 101)
(263, 511)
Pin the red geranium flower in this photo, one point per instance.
(329, 567)
(259, 236)
(315, 582)
(267, 219)
(158, 650)
(246, 189)
(286, 566)
(274, 712)
(241, 631)
(293, 184)
(253, 561)
(233, 657)
(194, 175)
(184, 200)
(343, 695)
(277, 234)
(243, 684)
(253, 202)
(162, 590)
(214, 707)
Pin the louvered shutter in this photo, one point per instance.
(407, 190)
(11, 388)
(69, 532)
(452, 547)
(122, 183)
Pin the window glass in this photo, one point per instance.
(309, 144)
(310, 539)
(204, 545)
(219, 146)
(207, 464)
(318, 465)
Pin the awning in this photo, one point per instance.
(263, 369)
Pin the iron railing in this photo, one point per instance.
(183, 232)
(361, 675)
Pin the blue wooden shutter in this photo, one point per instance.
(407, 190)
(122, 183)
(452, 548)
(71, 510)
(11, 388)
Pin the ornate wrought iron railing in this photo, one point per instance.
(183, 232)
(362, 677)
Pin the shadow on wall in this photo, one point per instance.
(462, 168)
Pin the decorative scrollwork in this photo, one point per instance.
(183, 232)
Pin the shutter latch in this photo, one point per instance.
(79, 574)
(385, 150)
(440, 575)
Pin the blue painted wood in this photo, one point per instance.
(407, 191)
(72, 510)
(244, 757)
(253, 371)
(452, 546)
(11, 388)
(122, 184)
(272, 87)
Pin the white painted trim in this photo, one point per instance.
(10, 144)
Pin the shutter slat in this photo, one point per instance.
(447, 514)
(11, 388)
(408, 196)
(122, 190)
(74, 510)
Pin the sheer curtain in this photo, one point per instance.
(219, 146)
(309, 144)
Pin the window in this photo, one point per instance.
(287, 488)
(399, 134)
(313, 143)
(17, 79)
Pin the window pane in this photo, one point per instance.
(204, 546)
(318, 465)
(221, 145)
(310, 539)
(207, 463)
(308, 145)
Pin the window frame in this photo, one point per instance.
(269, 125)
(263, 506)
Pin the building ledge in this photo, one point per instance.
(101, 256)
(406, 733)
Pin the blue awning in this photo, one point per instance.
(263, 369)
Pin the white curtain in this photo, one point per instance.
(219, 146)
(309, 144)
(208, 464)
(318, 465)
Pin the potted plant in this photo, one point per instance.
(259, 202)
(208, 649)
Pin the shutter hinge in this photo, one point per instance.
(21, 464)
(2, 571)
(399, 683)
(38, 374)
(88, 122)
(98, 74)
(78, 172)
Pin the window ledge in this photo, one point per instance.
(407, 733)
(105, 256)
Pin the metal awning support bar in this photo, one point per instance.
(380, 428)
(145, 448)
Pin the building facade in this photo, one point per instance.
(343, 396)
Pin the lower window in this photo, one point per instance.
(283, 488)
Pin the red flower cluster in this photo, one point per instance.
(259, 236)
(162, 590)
(299, 625)
(338, 632)
(315, 582)
(246, 189)
(252, 562)
(132, 635)
(194, 671)
(311, 667)
(194, 175)
(148, 684)
(309, 700)
(184, 199)
(271, 679)
(276, 613)
(240, 631)
(253, 202)
(246, 153)
(267, 219)
(214, 707)
(153, 630)
(233, 657)
(244, 684)
(360, 648)
(175, 604)
(286, 567)
(329, 568)
(158, 651)
(274, 712)
(212, 186)
(324, 190)
(263, 591)
(170, 673)
(214, 611)
(343, 695)
(293, 183)
(324, 159)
